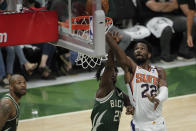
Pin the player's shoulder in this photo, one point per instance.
(6, 101)
(160, 69)
(161, 72)
(6, 105)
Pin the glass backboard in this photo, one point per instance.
(81, 26)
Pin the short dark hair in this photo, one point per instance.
(100, 68)
(149, 46)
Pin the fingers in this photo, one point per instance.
(149, 97)
(190, 44)
(130, 110)
(153, 100)
(156, 105)
(115, 35)
(190, 41)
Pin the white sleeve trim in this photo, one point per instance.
(106, 98)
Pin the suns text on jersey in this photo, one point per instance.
(146, 78)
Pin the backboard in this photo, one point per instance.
(93, 44)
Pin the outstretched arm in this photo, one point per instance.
(126, 63)
(5, 111)
(106, 83)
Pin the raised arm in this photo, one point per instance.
(162, 77)
(127, 64)
(5, 112)
(106, 83)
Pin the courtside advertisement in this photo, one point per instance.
(28, 28)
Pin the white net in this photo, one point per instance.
(82, 59)
(88, 61)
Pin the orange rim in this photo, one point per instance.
(81, 26)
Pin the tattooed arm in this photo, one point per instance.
(5, 111)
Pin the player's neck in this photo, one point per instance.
(145, 65)
(16, 98)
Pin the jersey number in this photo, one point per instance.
(153, 89)
(117, 115)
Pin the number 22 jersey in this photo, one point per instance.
(144, 81)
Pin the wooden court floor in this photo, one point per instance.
(179, 113)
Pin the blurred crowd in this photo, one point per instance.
(168, 35)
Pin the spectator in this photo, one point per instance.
(170, 10)
(25, 64)
(11, 50)
(150, 9)
(3, 81)
(179, 24)
(48, 50)
(60, 6)
(190, 16)
(3, 4)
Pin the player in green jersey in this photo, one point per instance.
(9, 108)
(110, 100)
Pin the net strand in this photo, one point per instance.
(80, 27)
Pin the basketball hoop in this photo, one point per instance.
(82, 27)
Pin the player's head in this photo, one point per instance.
(100, 72)
(142, 51)
(18, 85)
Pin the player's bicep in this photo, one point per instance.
(5, 111)
(107, 77)
(131, 64)
(162, 77)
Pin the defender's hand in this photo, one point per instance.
(153, 100)
(130, 110)
(116, 36)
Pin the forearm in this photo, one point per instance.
(190, 22)
(126, 100)
(156, 6)
(170, 6)
(110, 61)
(120, 54)
(2, 122)
(185, 9)
(162, 6)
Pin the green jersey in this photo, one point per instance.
(11, 125)
(107, 111)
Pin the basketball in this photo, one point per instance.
(89, 6)
(105, 6)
